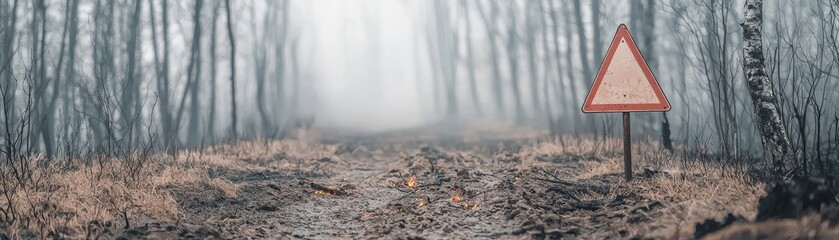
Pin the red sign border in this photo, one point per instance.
(663, 106)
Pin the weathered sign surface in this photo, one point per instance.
(625, 82)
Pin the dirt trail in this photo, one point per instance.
(419, 186)
(380, 204)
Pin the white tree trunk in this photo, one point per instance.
(773, 135)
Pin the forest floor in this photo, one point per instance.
(483, 183)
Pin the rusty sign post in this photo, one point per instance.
(625, 84)
(627, 148)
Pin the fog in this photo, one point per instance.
(113, 74)
(241, 119)
(364, 63)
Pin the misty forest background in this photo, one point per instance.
(85, 77)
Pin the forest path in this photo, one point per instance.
(376, 173)
(433, 186)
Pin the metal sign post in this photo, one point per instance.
(625, 84)
(627, 148)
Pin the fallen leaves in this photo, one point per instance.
(343, 190)
(411, 182)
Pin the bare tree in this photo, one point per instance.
(193, 73)
(294, 106)
(48, 118)
(9, 21)
(776, 145)
(584, 58)
(570, 93)
(548, 80)
(162, 70)
(470, 58)
(649, 41)
(211, 116)
(99, 100)
(573, 83)
(581, 34)
(512, 59)
(711, 53)
(233, 127)
(281, 66)
(70, 69)
(597, 40)
(131, 89)
(38, 28)
(490, 24)
(434, 61)
(260, 68)
(446, 47)
(531, 25)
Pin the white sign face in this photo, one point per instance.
(624, 81)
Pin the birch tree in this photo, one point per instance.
(776, 146)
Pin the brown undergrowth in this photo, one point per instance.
(93, 197)
(82, 199)
(527, 182)
(689, 187)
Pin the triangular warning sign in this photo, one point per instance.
(624, 82)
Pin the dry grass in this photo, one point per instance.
(692, 189)
(70, 202)
(67, 201)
